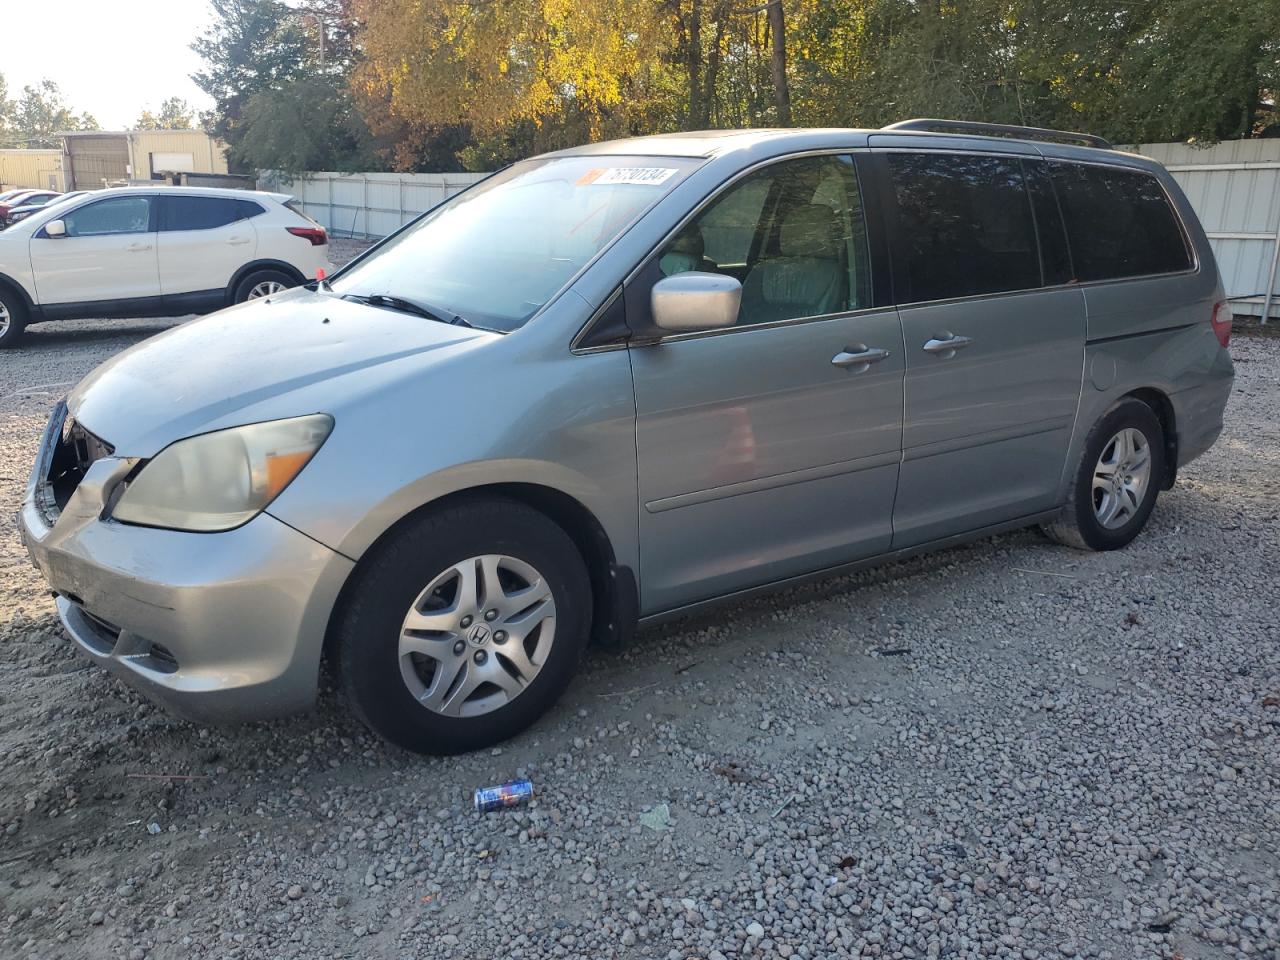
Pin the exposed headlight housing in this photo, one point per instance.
(220, 480)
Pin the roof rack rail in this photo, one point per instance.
(1001, 130)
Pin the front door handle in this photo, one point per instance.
(945, 345)
(138, 247)
(859, 357)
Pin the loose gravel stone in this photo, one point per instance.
(1075, 755)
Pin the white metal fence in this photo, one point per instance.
(1233, 186)
(369, 204)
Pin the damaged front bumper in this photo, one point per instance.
(217, 627)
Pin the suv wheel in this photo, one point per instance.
(13, 318)
(464, 628)
(262, 283)
(1116, 484)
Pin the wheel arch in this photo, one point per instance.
(614, 592)
(1162, 406)
(9, 283)
(255, 265)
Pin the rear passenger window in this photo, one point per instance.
(1119, 223)
(964, 226)
(204, 213)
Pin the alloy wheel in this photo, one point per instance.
(5, 320)
(477, 636)
(265, 289)
(1121, 478)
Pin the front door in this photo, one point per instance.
(994, 340)
(107, 254)
(769, 449)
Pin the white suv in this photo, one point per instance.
(153, 252)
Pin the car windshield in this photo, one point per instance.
(495, 254)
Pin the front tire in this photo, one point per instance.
(464, 627)
(1117, 481)
(13, 318)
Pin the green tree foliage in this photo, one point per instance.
(39, 113)
(175, 114)
(6, 109)
(251, 46)
(443, 83)
(306, 124)
(278, 78)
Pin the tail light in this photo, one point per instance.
(1221, 321)
(4, 210)
(316, 235)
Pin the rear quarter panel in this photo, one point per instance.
(1154, 333)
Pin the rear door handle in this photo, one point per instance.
(859, 357)
(945, 345)
(236, 241)
(138, 247)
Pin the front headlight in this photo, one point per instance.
(221, 480)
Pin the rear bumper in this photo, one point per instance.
(217, 627)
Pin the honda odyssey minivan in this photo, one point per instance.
(613, 384)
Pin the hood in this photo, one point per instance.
(300, 353)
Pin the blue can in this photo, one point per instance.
(510, 794)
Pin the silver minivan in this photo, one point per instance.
(616, 383)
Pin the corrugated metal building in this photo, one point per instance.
(38, 169)
(96, 158)
(1234, 187)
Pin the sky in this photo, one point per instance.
(110, 60)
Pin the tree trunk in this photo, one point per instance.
(713, 69)
(697, 107)
(778, 60)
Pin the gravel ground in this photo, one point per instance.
(1008, 749)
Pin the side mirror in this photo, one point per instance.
(55, 228)
(695, 301)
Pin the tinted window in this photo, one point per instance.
(1119, 223)
(729, 226)
(1055, 256)
(793, 233)
(204, 213)
(964, 226)
(114, 215)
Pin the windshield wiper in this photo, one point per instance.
(406, 306)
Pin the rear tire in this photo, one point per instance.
(1116, 482)
(262, 283)
(13, 318)
(464, 627)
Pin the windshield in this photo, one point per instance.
(496, 253)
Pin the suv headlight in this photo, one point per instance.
(220, 480)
